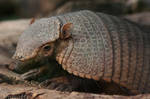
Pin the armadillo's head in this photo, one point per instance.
(39, 40)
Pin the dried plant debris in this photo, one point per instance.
(24, 95)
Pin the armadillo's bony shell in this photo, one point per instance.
(106, 47)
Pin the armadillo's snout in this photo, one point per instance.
(14, 66)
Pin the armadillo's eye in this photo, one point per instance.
(47, 48)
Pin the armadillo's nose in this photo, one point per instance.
(14, 66)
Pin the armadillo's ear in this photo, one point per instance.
(65, 31)
(32, 21)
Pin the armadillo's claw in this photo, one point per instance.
(32, 74)
(59, 84)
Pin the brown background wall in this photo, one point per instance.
(10, 9)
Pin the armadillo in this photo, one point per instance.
(91, 45)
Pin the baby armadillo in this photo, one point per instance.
(91, 45)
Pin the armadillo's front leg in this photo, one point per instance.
(47, 71)
(31, 74)
(72, 83)
(38, 74)
(61, 83)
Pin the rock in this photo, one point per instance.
(140, 18)
(39, 93)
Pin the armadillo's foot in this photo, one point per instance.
(31, 74)
(37, 74)
(72, 83)
(58, 83)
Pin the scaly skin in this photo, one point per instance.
(91, 45)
